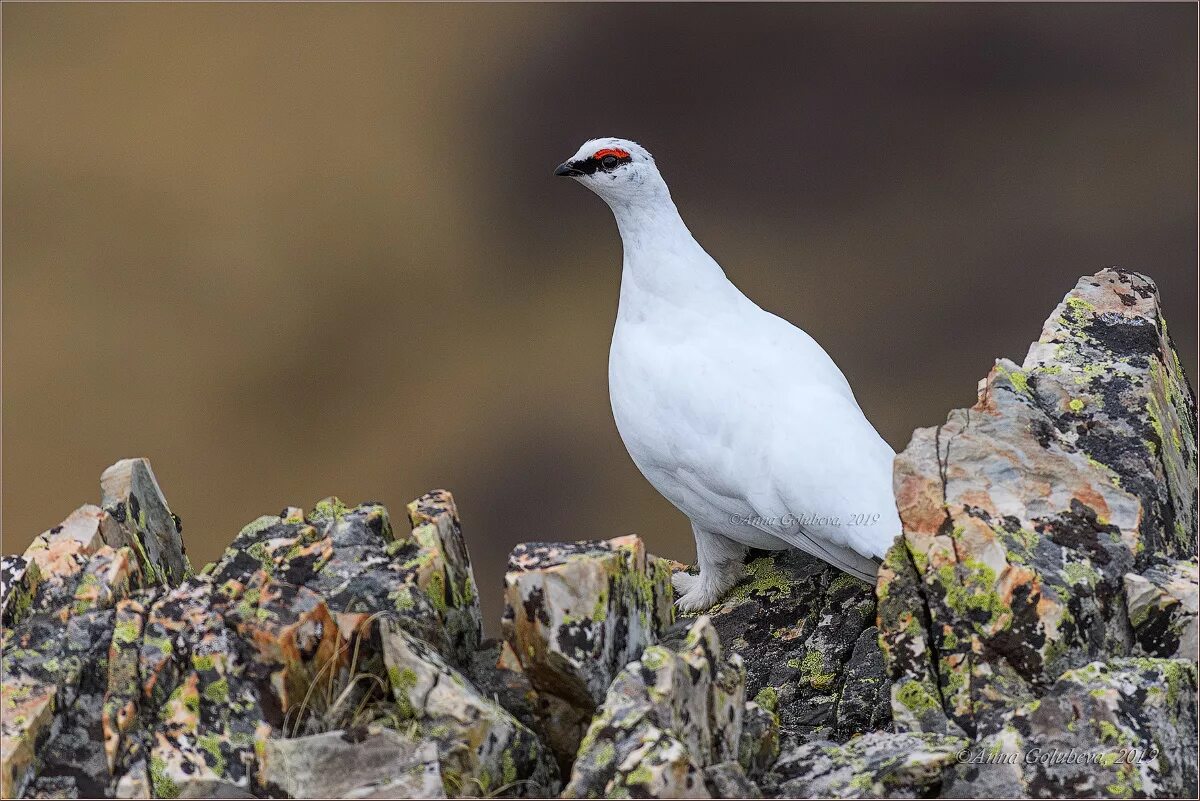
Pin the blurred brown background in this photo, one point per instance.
(288, 251)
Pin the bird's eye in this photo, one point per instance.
(609, 162)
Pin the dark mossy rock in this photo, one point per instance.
(806, 632)
(1162, 605)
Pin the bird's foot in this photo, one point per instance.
(699, 593)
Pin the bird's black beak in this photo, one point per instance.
(568, 168)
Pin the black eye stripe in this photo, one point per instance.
(592, 165)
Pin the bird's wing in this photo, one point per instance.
(827, 486)
(844, 559)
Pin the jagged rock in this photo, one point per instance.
(667, 716)
(19, 581)
(436, 529)
(875, 765)
(53, 694)
(576, 614)
(61, 554)
(370, 762)
(806, 633)
(481, 747)
(54, 660)
(28, 714)
(492, 675)
(121, 684)
(130, 493)
(213, 698)
(1023, 514)
(1122, 729)
(1162, 607)
(728, 780)
(758, 747)
(353, 558)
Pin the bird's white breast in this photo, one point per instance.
(732, 413)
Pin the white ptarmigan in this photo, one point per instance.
(736, 416)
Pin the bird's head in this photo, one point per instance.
(618, 170)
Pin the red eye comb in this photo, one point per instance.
(610, 151)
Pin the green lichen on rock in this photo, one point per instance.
(1024, 514)
(637, 744)
(575, 615)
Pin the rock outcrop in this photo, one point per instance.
(575, 615)
(806, 632)
(1034, 518)
(1125, 728)
(126, 675)
(1032, 633)
(875, 765)
(668, 717)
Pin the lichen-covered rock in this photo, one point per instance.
(19, 581)
(576, 614)
(131, 495)
(874, 765)
(60, 555)
(28, 714)
(54, 659)
(758, 747)
(480, 746)
(354, 559)
(436, 529)
(806, 632)
(1121, 729)
(667, 716)
(1162, 605)
(213, 698)
(367, 762)
(1023, 514)
(729, 780)
(126, 676)
(54, 673)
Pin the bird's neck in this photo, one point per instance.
(662, 260)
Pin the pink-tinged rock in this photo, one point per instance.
(1023, 514)
(28, 707)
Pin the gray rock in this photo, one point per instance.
(481, 747)
(875, 765)
(436, 529)
(728, 780)
(758, 747)
(1162, 605)
(357, 763)
(806, 632)
(667, 716)
(130, 493)
(1122, 729)
(576, 614)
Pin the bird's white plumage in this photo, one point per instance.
(736, 416)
